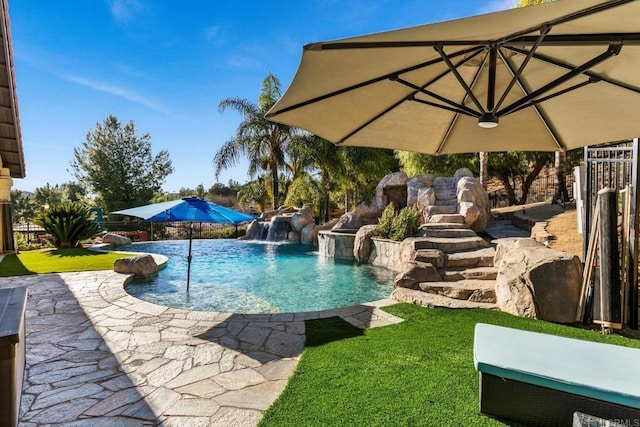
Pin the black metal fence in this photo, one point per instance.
(616, 166)
(146, 230)
(542, 188)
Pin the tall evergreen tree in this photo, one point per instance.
(117, 165)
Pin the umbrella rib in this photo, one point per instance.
(423, 89)
(455, 118)
(443, 107)
(543, 33)
(553, 95)
(368, 122)
(552, 131)
(563, 19)
(439, 48)
(593, 74)
(613, 50)
(366, 83)
(456, 106)
(522, 38)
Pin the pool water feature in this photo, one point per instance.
(235, 276)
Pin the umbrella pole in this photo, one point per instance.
(189, 256)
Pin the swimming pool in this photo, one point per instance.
(235, 276)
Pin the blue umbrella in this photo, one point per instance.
(187, 209)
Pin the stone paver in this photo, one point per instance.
(98, 357)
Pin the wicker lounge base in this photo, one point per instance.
(539, 406)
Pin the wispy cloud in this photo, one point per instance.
(213, 34)
(119, 91)
(125, 10)
(129, 70)
(243, 62)
(497, 5)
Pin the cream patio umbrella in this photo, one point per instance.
(555, 76)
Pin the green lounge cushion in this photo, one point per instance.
(600, 371)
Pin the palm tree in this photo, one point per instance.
(313, 152)
(263, 142)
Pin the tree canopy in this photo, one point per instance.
(117, 165)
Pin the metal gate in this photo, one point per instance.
(616, 166)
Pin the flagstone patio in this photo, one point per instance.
(97, 356)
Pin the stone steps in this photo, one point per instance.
(447, 202)
(464, 265)
(434, 257)
(438, 225)
(451, 233)
(472, 258)
(441, 210)
(426, 299)
(468, 290)
(474, 273)
(447, 218)
(451, 245)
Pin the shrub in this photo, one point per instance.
(24, 245)
(398, 225)
(405, 224)
(383, 229)
(225, 232)
(68, 223)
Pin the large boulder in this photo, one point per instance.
(309, 234)
(470, 212)
(293, 236)
(301, 219)
(426, 197)
(139, 265)
(415, 184)
(414, 273)
(349, 221)
(252, 231)
(373, 209)
(362, 245)
(394, 187)
(307, 208)
(462, 173)
(395, 179)
(115, 240)
(469, 191)
(538, 282)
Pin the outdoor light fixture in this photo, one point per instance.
(488, 121)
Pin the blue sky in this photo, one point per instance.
(167, 64)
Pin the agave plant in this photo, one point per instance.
(68, 223)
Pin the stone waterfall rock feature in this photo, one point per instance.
(279, 228)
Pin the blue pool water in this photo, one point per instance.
(236, 276)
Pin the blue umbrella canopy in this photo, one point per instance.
(189, 209)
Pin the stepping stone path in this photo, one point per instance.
(98, 357)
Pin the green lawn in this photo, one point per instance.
(56, 261)
(416, 373)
